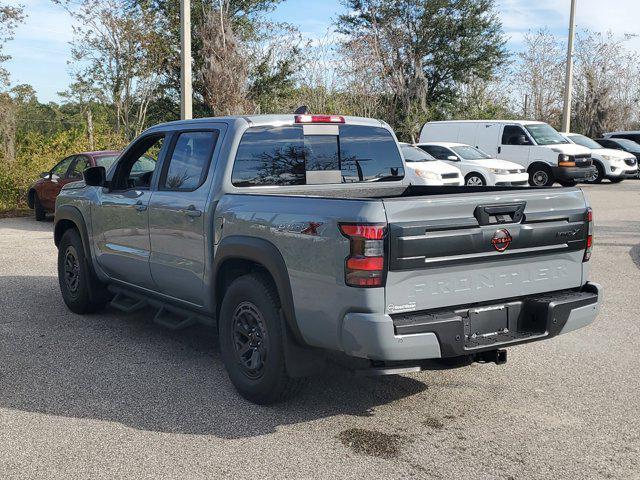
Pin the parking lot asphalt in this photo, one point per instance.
(115, 396)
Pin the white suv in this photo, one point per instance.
(616, 165)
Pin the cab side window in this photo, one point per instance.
(189, 163)
(135, 169)
(512, 135)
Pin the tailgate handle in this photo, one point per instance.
(499, 214)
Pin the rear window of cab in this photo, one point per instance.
(269, 156)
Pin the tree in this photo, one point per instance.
(424, 49)
(119, 50)
(10, 17)
(224, 71)
(85, 95)
(275, 56)
(606, 85)
(227, 35)
(481, 98)
(539, 77)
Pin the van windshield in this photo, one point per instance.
(467, 152)
(545, 134)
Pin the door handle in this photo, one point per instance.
(499, 149)
(191, 211)
(139, 206)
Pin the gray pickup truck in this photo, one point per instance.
(300, 240)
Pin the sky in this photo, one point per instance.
(41, 49)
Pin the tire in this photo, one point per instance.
(81, 291)
(252, 341)
(540, 175)
(474, 180)
(38, 209)
(598, 176)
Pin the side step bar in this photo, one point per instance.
(167, 316)
(172, 321)
(127, 304)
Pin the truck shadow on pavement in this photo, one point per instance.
(123, 368)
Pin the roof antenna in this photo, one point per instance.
(302, 110)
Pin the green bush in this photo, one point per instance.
(37, 153)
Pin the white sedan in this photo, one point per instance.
(477, 167)
(423, 169)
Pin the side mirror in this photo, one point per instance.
(453, 158)
(522, 140)
(44, 175)
(95, 176)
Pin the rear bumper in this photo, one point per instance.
(447, 333)
(573, 174)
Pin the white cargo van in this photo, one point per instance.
(547, 155)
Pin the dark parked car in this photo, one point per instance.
(43, 193)
(634, 136)
(623, 144)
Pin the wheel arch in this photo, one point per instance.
(537, 164)
(476, 174)
(600, 163)
(68, 216)
(239, 255)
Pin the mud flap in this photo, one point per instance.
(300, 361)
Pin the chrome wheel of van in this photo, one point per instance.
(540, 178)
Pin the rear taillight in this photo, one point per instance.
(319, 119)
(364, 266)
(589, 243)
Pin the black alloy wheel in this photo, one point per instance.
(250, 339)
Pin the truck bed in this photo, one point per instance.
(368, 192)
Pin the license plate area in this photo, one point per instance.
(487, 322)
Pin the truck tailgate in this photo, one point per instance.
(447, 250)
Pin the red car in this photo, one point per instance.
(43, 193)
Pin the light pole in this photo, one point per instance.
(568, 81)
(186, 95)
